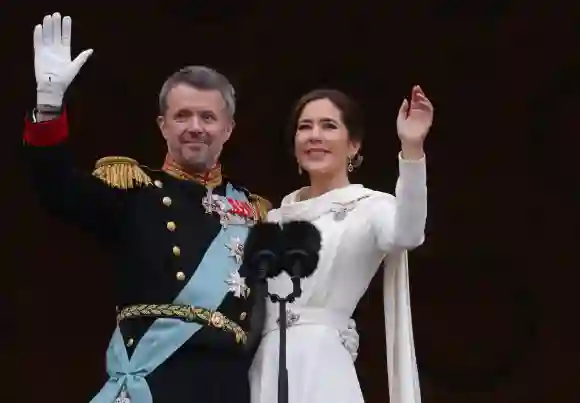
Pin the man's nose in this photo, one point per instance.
(195, 125)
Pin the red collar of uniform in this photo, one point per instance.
(211, 178)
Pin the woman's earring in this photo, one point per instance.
(299, 170)
(354, 162)
(350, 167)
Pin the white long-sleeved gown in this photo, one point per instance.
(359, 228)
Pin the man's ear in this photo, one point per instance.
(230, 129)
(161, 124)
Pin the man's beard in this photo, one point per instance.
(199, 163)
(197, 168)
(195, 161)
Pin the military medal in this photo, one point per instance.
(225, 219)
(229, 210)
(206, 203)
(236, 248)
(237, 285)
(123, 397)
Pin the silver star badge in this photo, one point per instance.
(207, 202)
(225, 219)
(123, 397)
(236, 248)
(207, 205)
(237, 285)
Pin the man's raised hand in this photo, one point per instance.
(53, 66)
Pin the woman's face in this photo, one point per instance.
(322, 144)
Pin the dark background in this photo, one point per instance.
(494, 287)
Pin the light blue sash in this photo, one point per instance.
(207, 288)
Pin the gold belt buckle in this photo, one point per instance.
(217, 320)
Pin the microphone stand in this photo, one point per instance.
(283, 326)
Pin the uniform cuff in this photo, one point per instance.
(47, 133)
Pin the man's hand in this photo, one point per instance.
(350, 339)
(52, 61)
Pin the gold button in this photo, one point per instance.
(167, 201)
(171, 226)
(243, 316)
(176, 251)
(158, 184)
(180, 276)
(130, 342)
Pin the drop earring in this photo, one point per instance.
(354, 162)
(299, 170)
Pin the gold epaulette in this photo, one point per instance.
(121, 172)
(261, 205)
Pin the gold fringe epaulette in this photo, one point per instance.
(121, 172)
(261, 205)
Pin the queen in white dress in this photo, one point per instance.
(360, 228)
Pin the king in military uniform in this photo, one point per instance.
(185, 300)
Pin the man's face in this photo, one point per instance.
(195, 126)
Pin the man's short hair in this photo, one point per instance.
(202, 78)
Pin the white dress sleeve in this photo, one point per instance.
(399, 222)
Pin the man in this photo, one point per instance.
(184, 299)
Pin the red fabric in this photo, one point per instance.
(212, 175)
(48, 133)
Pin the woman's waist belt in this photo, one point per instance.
(296, 316)
(187, 313)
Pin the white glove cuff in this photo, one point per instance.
(50, 95)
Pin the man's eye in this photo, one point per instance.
(181, 116)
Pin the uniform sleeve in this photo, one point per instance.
(257, 316)
(399, 222)
(77, 197)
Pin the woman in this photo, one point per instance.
(360, 228)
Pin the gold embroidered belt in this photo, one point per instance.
(186, 313)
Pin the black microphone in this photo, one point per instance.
(293, 247)
(302, 243)
(269, 249)
(262, 251)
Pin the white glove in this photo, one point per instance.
(350, 339)
(53, 67)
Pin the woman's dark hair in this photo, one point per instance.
(349, 110)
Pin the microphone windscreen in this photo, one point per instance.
(303, 236)
(264, 241)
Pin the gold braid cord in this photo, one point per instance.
(186, 313)
(261, 205)
(121, 172)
